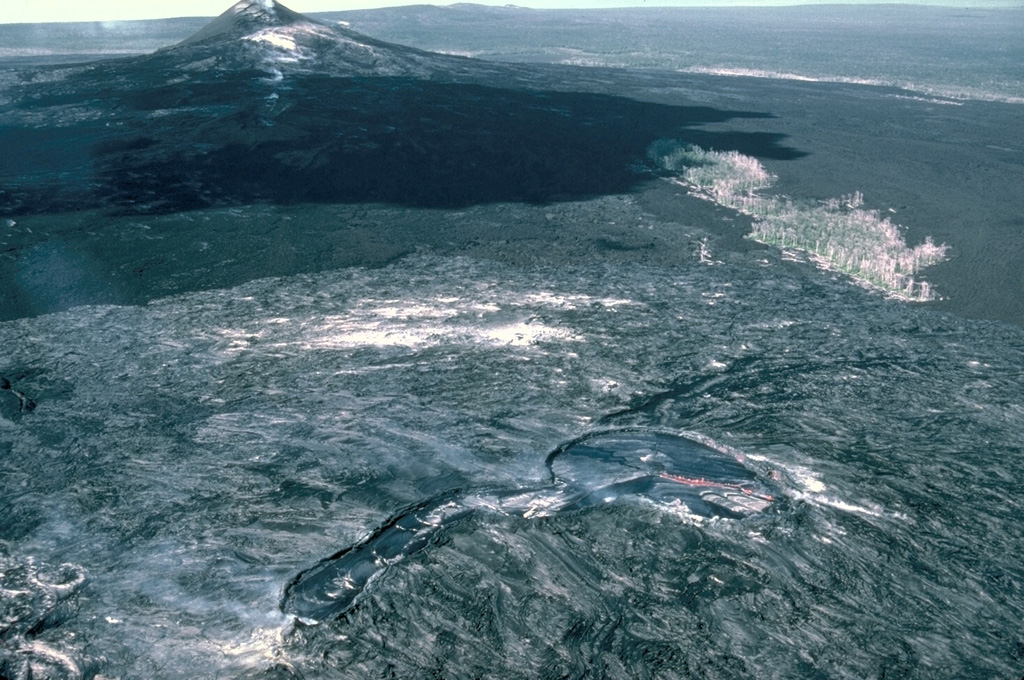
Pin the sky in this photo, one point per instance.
(19, 11)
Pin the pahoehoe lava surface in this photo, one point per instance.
(197, 407)
(270, 424)
(596, 469)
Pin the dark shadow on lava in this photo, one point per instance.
(400, 141)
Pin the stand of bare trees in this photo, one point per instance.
(837, 232)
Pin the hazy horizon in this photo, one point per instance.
(65, 11)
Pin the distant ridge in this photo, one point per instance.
(477, 6)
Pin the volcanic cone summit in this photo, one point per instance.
(266, 35)
(245, 18)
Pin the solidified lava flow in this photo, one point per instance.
(600, 468)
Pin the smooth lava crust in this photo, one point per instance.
(600, 468)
